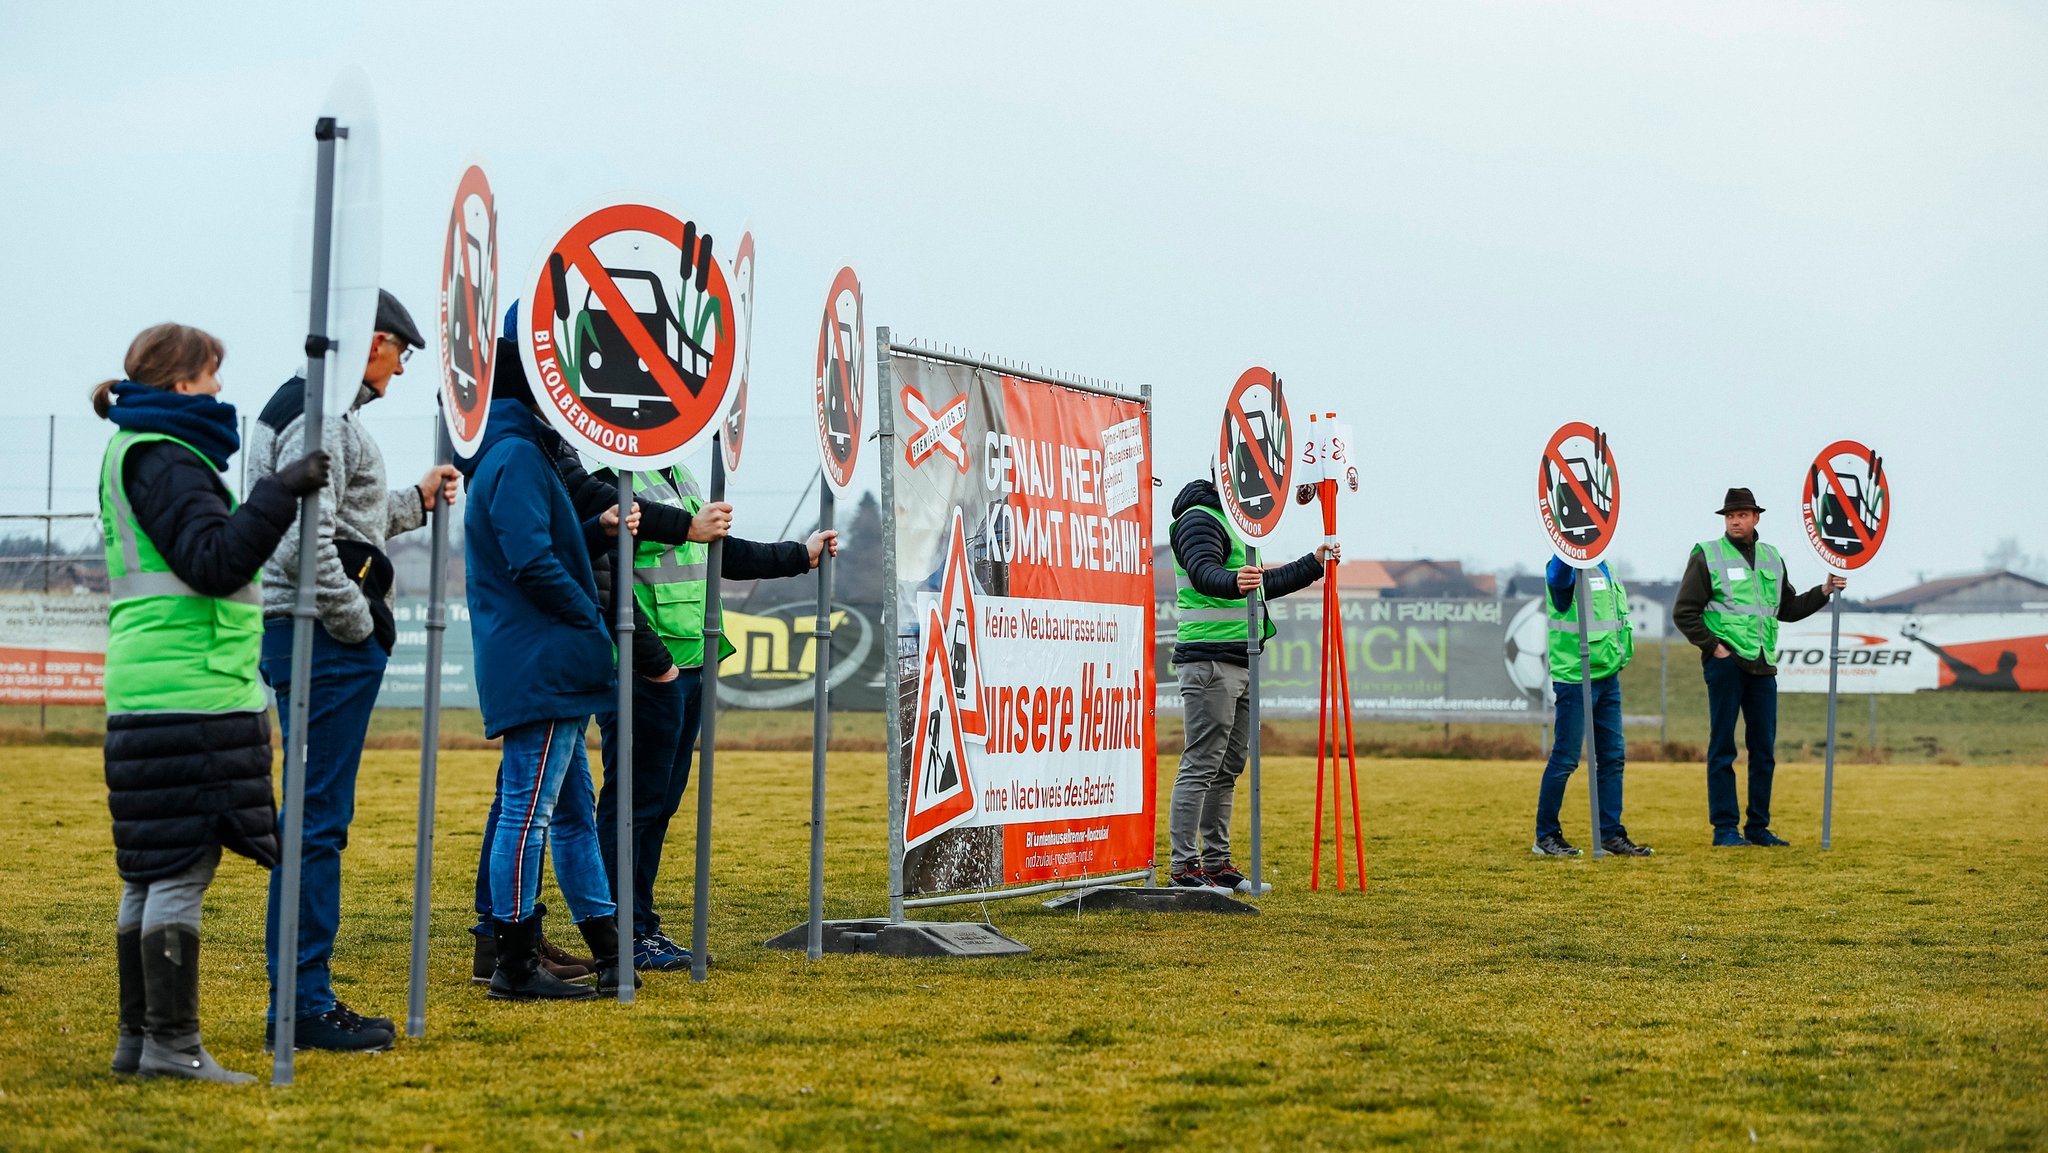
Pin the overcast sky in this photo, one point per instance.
(1727, 233)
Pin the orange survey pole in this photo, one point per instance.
(1333, 648)
(1315, 869)
(1350, 756)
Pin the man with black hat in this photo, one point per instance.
(351, 642)
(1730, 601)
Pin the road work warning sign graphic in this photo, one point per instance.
(629, 337)
(941, 793)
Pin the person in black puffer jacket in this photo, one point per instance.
(188, 740)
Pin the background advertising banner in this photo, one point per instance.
(53, 648)
(1911, 653)
(1023, 587)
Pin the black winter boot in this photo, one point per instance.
(519, 976)
(485, 961)
(134, 1001)
(602, 935)
(170, 982)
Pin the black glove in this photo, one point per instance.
(306, 475)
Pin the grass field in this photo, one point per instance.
(1886, 994)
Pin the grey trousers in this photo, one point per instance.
(1216, 698)
(172, 901)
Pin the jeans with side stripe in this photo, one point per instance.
(545, 797)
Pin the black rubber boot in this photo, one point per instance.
(485, 962)
(602, 935)
(519, 977)
(170, 983)
(134, 1001)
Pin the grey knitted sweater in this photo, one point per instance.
(355, 505)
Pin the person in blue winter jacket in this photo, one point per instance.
(544, 664)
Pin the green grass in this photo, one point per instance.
(1886, 994)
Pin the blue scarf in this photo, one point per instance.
(200, 421)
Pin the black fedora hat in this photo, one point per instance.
(1738, 500)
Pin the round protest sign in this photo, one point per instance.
(627, 335)
(1255, 454)
(735, 427)
(1578, 494)
(1846, 504)
(469, 301)
(841, 379)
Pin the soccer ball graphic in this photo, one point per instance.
(1527, 650)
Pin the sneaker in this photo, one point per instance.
(1729, 839)
(337, 1029)
(1553, 846)
(1768, 839)
(656, 953)
(1621, 846)
(385, 1023)
(1229, 877)
(1190, 879)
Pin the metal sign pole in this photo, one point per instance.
(1827, 793)
(892, 716)
(285, 989)
(1253, 647)
(707, 712)
(821, 729)
(430, 746)
(622, 739)
(1585, 606)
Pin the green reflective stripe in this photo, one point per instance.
(165, 584)
(1240, 615)
(1739, 610)
(1560, 625)
(670, 570)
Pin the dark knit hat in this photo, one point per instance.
(1738, 500)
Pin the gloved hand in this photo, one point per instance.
(306, 475)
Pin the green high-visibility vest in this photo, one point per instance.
(1743, 610)
(1610, 640)
(169, 648)
(669, 580)
(1205, 619)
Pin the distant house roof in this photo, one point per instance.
(1984, 585)
(1360, 575)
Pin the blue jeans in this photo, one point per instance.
(1731, 690)
(345, 683)
(544, 794)
(1608, 746)
(665, 720)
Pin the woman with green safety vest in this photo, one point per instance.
(1729, 603)
(1610, 642)
(188, 740)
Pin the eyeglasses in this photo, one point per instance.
(405, 350)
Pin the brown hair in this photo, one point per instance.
(160, 357)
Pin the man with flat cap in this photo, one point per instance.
(352, 639)
(1730, 601)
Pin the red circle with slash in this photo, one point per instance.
(469, 308)
(614, 335)
(1578, 494)
(1846, 514)
(1255, 455)
(841, 379)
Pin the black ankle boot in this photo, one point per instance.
(601, 934)
(519, 977)
(134, 1000)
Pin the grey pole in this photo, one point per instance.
(1583, 602)
(1827, 789)
(1253, 647)
(892, 717)
(50, 506)
(285, 991)
(622, 737)
(1873, 721)
(430, 746)
(707, 712)
(821, 730)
